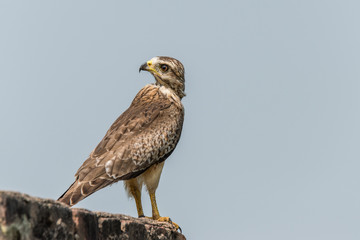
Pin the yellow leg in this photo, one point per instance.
(155, 210)
(156, 214)
(134, 189)
(137, 196)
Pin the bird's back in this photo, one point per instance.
(144, 135)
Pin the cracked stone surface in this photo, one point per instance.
(23, 217)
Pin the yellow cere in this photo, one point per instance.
(151, 69)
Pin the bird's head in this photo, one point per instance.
(168, 72)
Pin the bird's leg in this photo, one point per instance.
(156, 214)
(137, 196)
(155, 210)
(134, 189)
(151, 179)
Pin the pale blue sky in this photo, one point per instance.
(270, 146)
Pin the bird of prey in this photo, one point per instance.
(139, 141)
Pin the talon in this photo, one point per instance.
(167, 219)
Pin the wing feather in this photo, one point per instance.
(131, 145)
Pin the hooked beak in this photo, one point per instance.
(148, 66)
(143, 67)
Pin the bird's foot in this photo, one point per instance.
(163, 219)
(167, 219)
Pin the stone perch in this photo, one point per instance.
(28, 218)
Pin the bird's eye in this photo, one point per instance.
(164, 67)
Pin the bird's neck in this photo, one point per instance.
(178, 90)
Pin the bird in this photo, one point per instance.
(137, 144)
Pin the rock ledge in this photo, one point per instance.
(26, 218)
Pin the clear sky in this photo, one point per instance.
(270, 146)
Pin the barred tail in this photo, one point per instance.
(81, 189)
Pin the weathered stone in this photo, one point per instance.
(26, 218)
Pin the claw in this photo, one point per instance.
(177, 226)
(167, 219)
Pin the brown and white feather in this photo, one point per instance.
(143, 136)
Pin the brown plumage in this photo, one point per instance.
(139, 141)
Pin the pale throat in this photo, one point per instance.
(167, 91)
(161, 83)
(170, 94)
